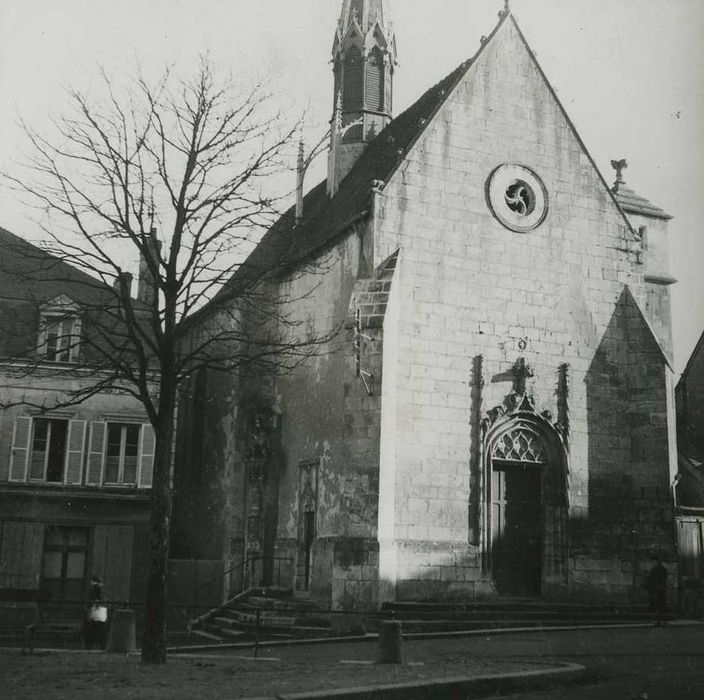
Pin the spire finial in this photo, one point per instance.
(338, 112)
(300, 174)
(619, 166)
(507, 6)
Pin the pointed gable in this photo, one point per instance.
(504, 86)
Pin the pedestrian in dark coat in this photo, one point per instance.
(656, 585)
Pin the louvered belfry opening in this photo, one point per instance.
(374, 83)
(353, 81)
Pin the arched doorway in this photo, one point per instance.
(524, 461)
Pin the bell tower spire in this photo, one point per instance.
(364, 61)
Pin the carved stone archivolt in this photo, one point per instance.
(515, 432)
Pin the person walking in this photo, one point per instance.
(656, 585)
(96, 620)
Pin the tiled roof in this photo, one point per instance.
(633, 203)
(28, 273)
(324, 218)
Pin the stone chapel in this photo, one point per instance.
(492, 414)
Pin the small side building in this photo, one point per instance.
(689, 491)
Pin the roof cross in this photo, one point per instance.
(522, 371)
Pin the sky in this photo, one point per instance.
(630, 74)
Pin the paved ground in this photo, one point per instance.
(625, 664)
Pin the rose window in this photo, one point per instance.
(517, 197)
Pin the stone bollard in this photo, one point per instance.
(390, 642)
(122, 635)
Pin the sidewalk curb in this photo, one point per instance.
(448, 688)
(371, 636)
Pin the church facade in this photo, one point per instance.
(492, 414)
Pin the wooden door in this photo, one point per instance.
(112, 559)
(64, 566)
(516, 529)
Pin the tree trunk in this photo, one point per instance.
(155, 608)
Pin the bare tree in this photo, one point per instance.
(192, 160)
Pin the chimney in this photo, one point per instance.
(149, 259)
(125, 277)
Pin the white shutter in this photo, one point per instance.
(19, 457)
(147, 443)
(73, 468)
(96, 453)
(75, 339)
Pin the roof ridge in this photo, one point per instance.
(570, 123)
(459, 72)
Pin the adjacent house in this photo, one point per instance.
(689, 491)
(75, 477)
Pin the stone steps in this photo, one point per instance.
(280, 615)
(426, 616)
(294, 617)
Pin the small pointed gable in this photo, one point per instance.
(628, 300)
(62, 302)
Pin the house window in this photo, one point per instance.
(76, 452)
(122, 453)
(59, 338)
(48, 449)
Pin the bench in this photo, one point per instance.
(19, 608)
(66, 631)
(21, 620)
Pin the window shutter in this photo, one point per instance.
(21, 547)
(96, 453)
(20, 448)
(75, 340)
(147, 443)
(73, 469)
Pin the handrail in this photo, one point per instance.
(230, 597)
(252, 559)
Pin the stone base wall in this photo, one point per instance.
(440, 571)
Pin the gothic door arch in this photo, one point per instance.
(523, 463)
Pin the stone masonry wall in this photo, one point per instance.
(472, 288)
(330, 418)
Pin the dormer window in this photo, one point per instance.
(59, 331)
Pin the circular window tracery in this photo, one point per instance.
(517, 197)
